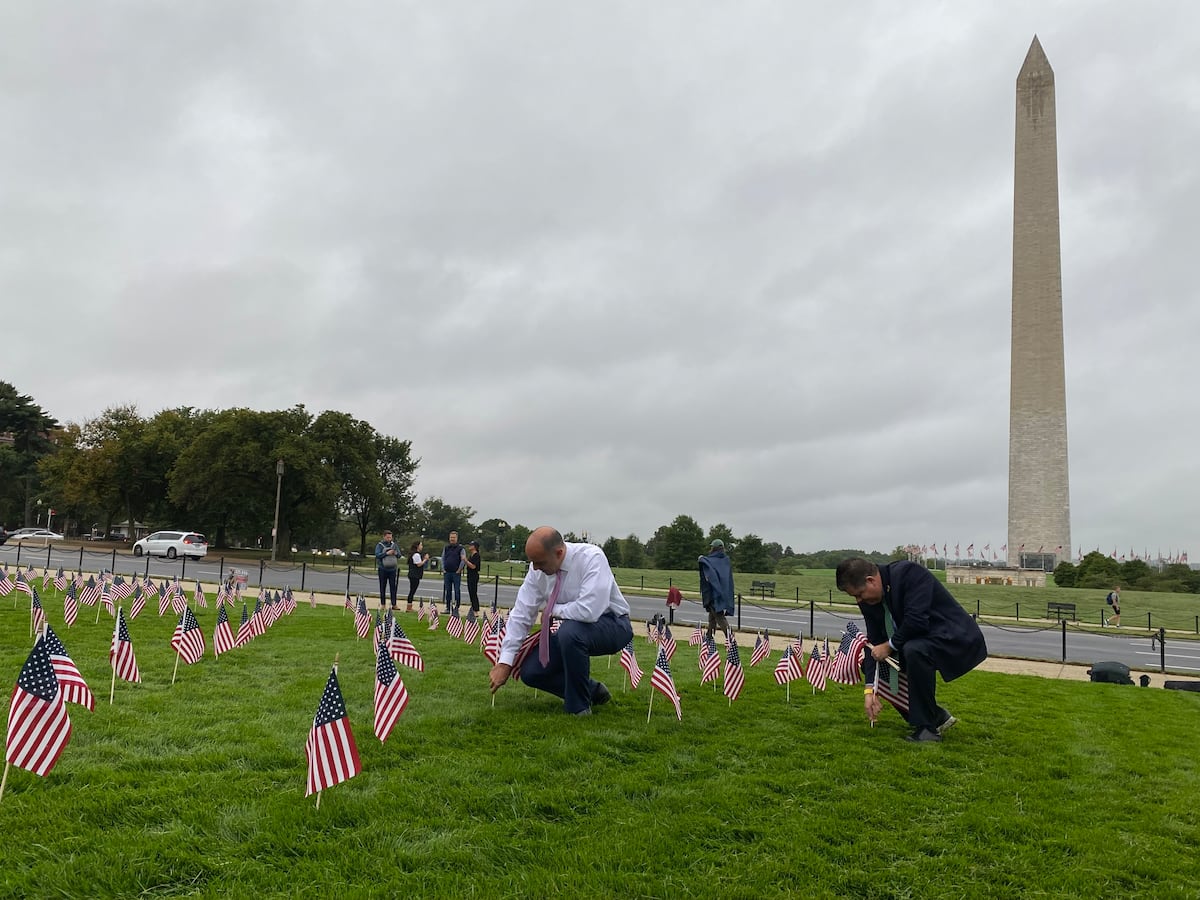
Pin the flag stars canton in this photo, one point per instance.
(734, 658)
(386, 672)
(332, 707)
(122, 630)
(37, 676)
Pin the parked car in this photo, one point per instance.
(172, 544)
(35, 534)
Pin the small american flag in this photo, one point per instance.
(735, 675)
(847, 662)
(200, 600)
(391, 697)
(188, 639)
(630, 664)
(710, 661)
(527, 646)
(470, 631)
(815, 673)
(164, 599)
(666, 639)
(120, 654)
(178, 604)
(421, 612)
(788, 668)
(38, 724)
(493, 639)
(454, 626)
(258, 625)
(60, 580)
(46, 579)
(121, 588)
(222, 634)
(106, 596)
(139, 602)
(433, 617)
(401, 649)
(662, 681)
(245, 631)
(74, 688)
(6, 584)
(762, 649)
(312, 599)
(891, 685)
(349, 604)
(38, 613)
(23, 585)
(330, 750)
(696, 638)
(70, 607)
(362, 618)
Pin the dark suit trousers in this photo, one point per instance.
(923, 711)
(568, 674)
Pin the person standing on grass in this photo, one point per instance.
(912, 618)
(1114, 600)
(574, 584)
(387, 563)
(417, 561)
(716, 587)
(473, 561)
(453, 561)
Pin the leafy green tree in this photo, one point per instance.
(518, 537)
(612, 551)
(1136, 574)
(722, 532)
(679, 545)
(25, 438)
(633, 553)
(1065, 574)
(751, 555)
(438, 518)
(1096, 570)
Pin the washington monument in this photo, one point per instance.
(1039, 503)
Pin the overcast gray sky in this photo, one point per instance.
(606, 263)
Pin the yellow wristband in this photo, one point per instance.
(869, 691)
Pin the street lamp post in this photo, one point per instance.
(501, 527)
(278, 491)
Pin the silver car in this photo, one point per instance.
(172, 544)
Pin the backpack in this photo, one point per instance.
(1110, 673)
(1109, 599)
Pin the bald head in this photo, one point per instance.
(545, 549)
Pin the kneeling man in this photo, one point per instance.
(576, 586)
(910, 615)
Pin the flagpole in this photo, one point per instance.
(789, 692)
(4, 780)
(651, 709)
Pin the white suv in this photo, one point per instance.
(172, 544)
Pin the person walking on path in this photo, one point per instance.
(716, 587)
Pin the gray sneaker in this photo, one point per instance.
(949, 723)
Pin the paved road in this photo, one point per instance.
(1134, 647)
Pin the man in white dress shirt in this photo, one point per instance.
(576, 580)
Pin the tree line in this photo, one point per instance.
(215, 471)
(1096, 570)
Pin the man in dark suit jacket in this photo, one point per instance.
(909, 614)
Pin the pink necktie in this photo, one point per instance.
(544, 636)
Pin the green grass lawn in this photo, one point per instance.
(1046, 788)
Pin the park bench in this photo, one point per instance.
(1056, 610)
(763, 588)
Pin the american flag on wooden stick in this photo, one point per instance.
(38, 724)
(222, 634)
(70, 681)
(847, 661)
(630, 664)
(391, 697)
(120, 653)
(662, 681)
(330, 750)
(735, 675)
(188, 639)
(762, 648)
(70, 607)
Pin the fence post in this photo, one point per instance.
(49, 547)
(642, 588)
(496, 592)
(261, 565)
(1063, 623)
(976, 609)
(1197, 624)
(1018, 612)
(183, 569)
(303, 574)
(145, 574)
(812, 621)
(739, 612)
(798, 596)
(347, 579)
(1149, 627)
(1162, 650)
(114, 560)
(81, 565)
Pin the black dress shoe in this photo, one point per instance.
(923, 735)
(600, 695)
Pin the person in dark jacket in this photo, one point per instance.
(716, 586)
(387, 563)
(912, 619)
(417, 561)
(454, 559)
(473, 562)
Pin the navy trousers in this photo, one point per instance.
(568, 674)
(923, 711)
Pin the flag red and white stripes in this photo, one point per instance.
(630, 664)
(391, 697)
(762, 648)
(188, 639)
(120, 653)
(330, 749)
(735, 675)
(38, 724)
(70, 681)
(847, 661)
(662, 681)
(788, 667)
(222, 634)
(815, 673)
(70, 607)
